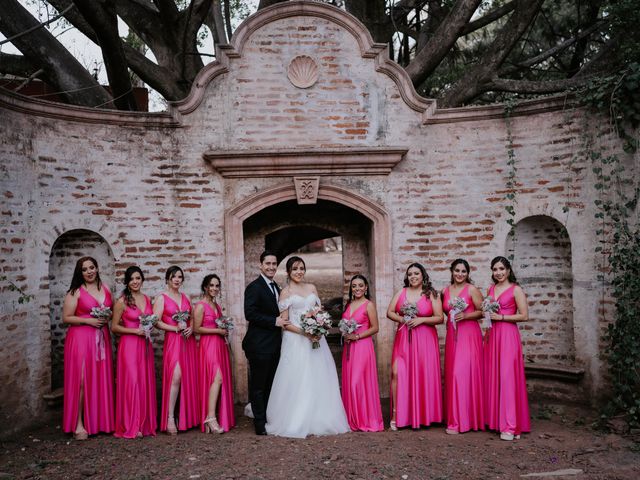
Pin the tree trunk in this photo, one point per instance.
(61, 69)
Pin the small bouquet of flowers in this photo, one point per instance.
(181, 318)
(225, 323)
(348, 326)
(456, 305)
(316, 324)
(489, 306)
(409, 311)
(147, 322)
(102, 313)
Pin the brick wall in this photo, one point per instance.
(140, 182)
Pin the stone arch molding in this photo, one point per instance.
(97, 225)
(368, 49)
(380, 256)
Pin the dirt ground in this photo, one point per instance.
(561, 440)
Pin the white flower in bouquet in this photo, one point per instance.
(315, 324)
(181, 318)
(101, 312)
(348, 326)
(409, 310)
(489, 306)
(225, 323)
(147, 322)
(456, 305)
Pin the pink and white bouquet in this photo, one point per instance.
(316, 324)
(348, 326)
(489, 306)
(456, 305)
(181, 318)
(147, 322)
(102, 313)
(225, 323)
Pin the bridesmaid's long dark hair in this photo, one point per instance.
(507, 265)
(78, 280)
(357, 276)
(427, 286)
(126, 292)
(457, 262)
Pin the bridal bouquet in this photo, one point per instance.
(147, 322)
(408, 310)
(456, 305)
(181, 318)
(102, 313)
(489, 306)
(225, 323)
(316, 324)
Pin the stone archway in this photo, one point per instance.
(378, 258)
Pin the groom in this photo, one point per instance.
(261, 344)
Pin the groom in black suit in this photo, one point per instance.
(261, 344)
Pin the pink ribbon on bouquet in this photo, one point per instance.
(100, 346)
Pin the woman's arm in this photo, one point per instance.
(116, 321)
(476, 298)
(435, 319)
(158, 310)
(69, 309)
(391, 309)
(198, 317)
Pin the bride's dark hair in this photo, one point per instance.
(293, 260)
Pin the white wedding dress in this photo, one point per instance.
(305, 396)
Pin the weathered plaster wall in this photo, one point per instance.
(141, 183)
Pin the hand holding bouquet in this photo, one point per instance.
(181, 318)
(489, 306)
(147, 322)
(315, 324)
(102, 313)
(348, 326)
(456, 305)
(226, 324)
(409, 311)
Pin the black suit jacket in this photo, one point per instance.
(263, 337)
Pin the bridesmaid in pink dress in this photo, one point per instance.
(214, 365)
(416, 392)
(88, 366)
(136, 410)
(360, 393)
(506, 403)
(179, 357)
(464, 405)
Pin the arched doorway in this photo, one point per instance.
(65, 251)
(274, 215)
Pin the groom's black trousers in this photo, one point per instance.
(262, 369)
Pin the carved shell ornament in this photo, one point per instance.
(303, 71)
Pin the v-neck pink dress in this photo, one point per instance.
(88, 362)
(181, 351)
(416, 356)
(506, 402)
(463, 369)
(213, 357)
(360, 392)
(136, 409)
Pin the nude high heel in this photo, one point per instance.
(211, 425)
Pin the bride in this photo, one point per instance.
(305, 396)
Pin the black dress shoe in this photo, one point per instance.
(261, 432)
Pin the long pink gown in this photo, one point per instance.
(416, 354)
(506, 403)
(213, 357)
(136, 409)
(87, 354)
(464, 402)
(182, 351)
(360, 393)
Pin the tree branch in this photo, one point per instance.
(490, 17)
(534, 86)
(438, 46)
(61, 69)
(17, 65)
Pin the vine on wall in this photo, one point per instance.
(618, 187)
(512, 170)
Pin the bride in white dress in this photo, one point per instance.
(305, 396)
